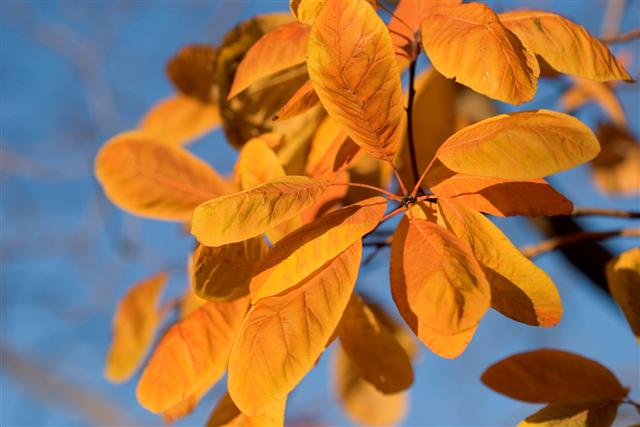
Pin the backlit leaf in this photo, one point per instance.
(246, 214)
(519, 289)
(584, 414)
(553, 376)
(275, 51)
(375, 353)
(282, 336)
(191, 71)
(308, 248)
(520, 146)
(191, 356)
(134, 326)
(180, 119)
(331, 150)
(154, 179)
(257, 164)
(467, 42)
(353, 69)
(447, 346)
(304, 99)
(330, 199)
(623, 277)
(564, 45)
(227, 414)
(447, 290)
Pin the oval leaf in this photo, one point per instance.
(227, 414)
(623, 277)
(257, 164)
(584, 414)
(303, 100)
(190, 71)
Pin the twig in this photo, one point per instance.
(569, 239)
(369, 187)
(605, 212)
(412, 93)
(622, 38)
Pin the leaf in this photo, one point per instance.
(519, 289)
(306, 10)
(307, 249)
(375, 353)
(331, 150)
(447, 290)
(584, 91)
(623, 278)
(257, 164)
(585, 414)
(564, 45)
(223, 273)
(352, 66)
(303, 100)
(191, 356)
(617, 168)
(153, 179)
(523, 145)
(240, 216)
(330, 200)
(553, 376)
(366, 169)
(467, 42)
(227, 414)
(277, 50)
(191, 72)
(500, 197)
(447, 346)
(134, 326)
(180, 119)
(282, 336)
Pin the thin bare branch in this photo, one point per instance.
(569, 239)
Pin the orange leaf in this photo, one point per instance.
(257, 164)
(329, 200)
(564, 45)
(134, 326)
(583, 91)
(275, 51)
(553, 376)
(282, 336)
(190, 71)
(447, 290)
(447, 346)
(376, 354)
(617, 168)
(150, 178)
(583, 414)
(246, 214)
(331, 150)
(303, 100)
(227, 414)
(308, 248)
(180, 119)
(353, 69)
(623, 277)
(467, 42)
(192, 355)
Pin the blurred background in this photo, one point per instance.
(74, 73)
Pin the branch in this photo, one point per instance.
(561, 241)
(605, 212)
(412, 93)
(622, 38)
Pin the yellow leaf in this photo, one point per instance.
(180, 119)
(304, 99)
(308, 248)
(583, 414)
(282, 336)
(617, 168)
(331, 150)
(376, 354)
(519, 289)
(275, 51)
(495, 196)
(190, 72)
(223, 273)
(446, 290)
(564, 45)
(447, 346)
(150, 178)
(467, 42)
(240, 216)
(134, 326)
(583, 91)
(227, 414)
(623, 278)
(353, 69)
(553, 376)
(192, 355)
(257, 164)
(523, 145)
(306, 10)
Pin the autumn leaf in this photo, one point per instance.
(375, 353)
(275, 51)
(352, 66)
(134, 326)
(623, 278)
(520, 146)
(249, 213)
(283, 335)
(446, 345)
(583, 414)
(180, 119)
(617, 168)
(303, 100)
(191, 72)
(564, 45)
(584, 91)
(519, 289)
(305, 250)
(553, 376)
(223, 273)
(150, 178)
(257, 164)
(446, 291)
(227, 414)
(306, 10)
(192, 355)
(467, 42)
(331, 151)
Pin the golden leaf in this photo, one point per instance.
(227, 414)
(583, 91)
(303, 100)
(467, 42)
(282, 336)
(331, 150)
(134, 326)
(447, 346)
(353, 69)
(623, 278)
(257, 164)
(583, 414)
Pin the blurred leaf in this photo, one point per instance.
(191, 72)
(617, 168)
(623, 278)
(302, 101)
(257, 164)
(585, 414)
(583, 91)
(227, 414)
